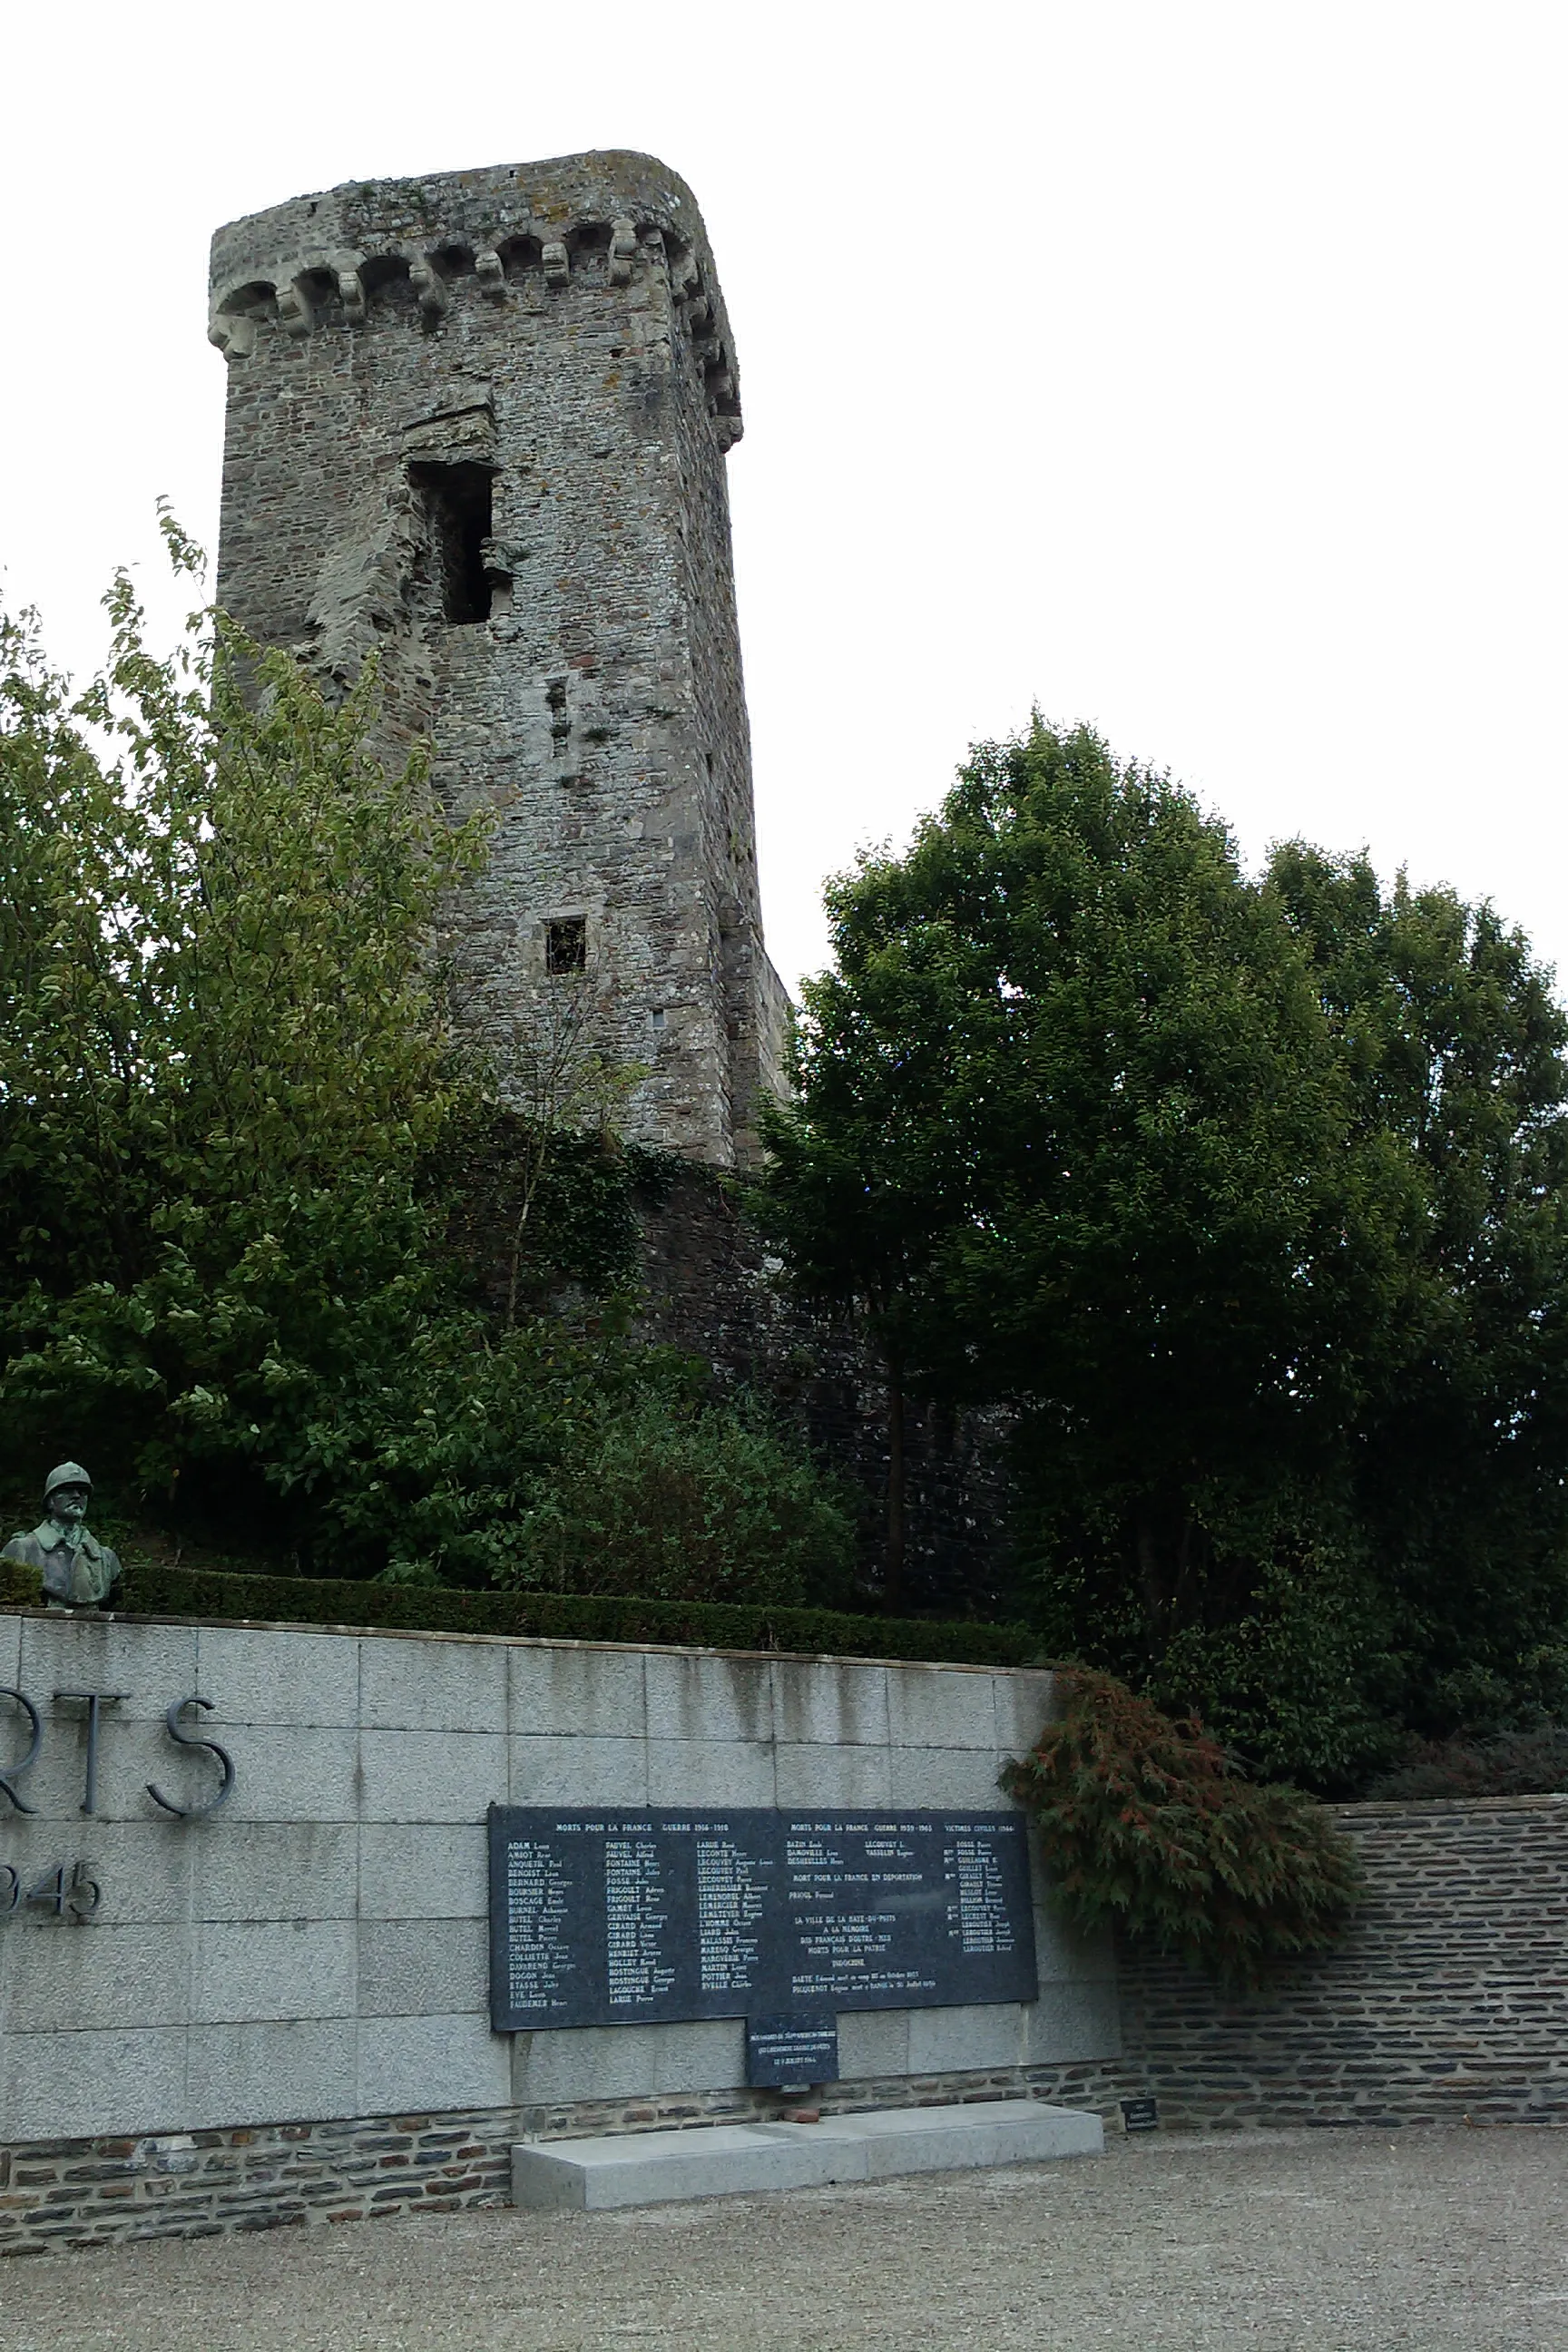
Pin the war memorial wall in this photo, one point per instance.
(302, 1922)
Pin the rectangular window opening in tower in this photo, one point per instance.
(457, 508)
(567, 944)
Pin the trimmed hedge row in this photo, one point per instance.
(698, 1624)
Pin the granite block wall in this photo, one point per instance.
(261, 1992)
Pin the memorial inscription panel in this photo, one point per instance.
(619, 1918)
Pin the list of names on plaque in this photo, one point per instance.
(637, 1920)
(730, 1907)
(540, 1958)
(604, 1917)
(980, 1915)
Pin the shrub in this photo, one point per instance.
(154, 1590)
(697, 1504)
(1149, 1829)
(1519, 1764)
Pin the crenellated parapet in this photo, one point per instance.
(414, 252)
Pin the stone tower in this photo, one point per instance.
(479, 422)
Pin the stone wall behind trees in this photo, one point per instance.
(712, 1287)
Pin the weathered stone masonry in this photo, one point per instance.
(477, 423)
(1447, 2003)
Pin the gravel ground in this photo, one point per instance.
(1303, 2241)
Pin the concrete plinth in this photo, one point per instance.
(733, 2159)
(951, 2139)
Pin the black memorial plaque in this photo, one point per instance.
(793, 2051)
(613, 1919)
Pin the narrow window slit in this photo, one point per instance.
(457, 507)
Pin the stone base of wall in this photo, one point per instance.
(73, 2192)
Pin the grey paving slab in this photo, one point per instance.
(133, 1750)
(114, 2079)
(272, 1969)
(652, 2168)
(289, 2069)
(1025, 1701)
(141, 1869)
(436, 2063)
(873, 2042)
(897, 2141)
(63, 1978)
(410, 1967)
(941, 1707)
(586, 1770)
(1071, 2021)
(272, 1870)
(286, 1773)
(841, 1704)
(620, 2062)
(947, 1777)
(710, 1772)
(819, 1776)
(979, 2034)
(431, 1775)
(153, 1665)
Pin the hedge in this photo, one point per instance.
(698, 1624)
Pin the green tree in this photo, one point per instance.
(1073, 1126)
(236, 1132)
(224, 1059)
(1449, 1030)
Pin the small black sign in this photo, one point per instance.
(792, 2052)
(1140, 2115)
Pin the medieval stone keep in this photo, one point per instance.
(478, 422)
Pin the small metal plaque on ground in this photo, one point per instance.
(1140, 2115)
(793, 2051)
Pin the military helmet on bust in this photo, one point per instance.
(66, 1473)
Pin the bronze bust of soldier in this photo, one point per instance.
(79, 1573)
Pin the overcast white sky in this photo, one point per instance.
(1191, 368)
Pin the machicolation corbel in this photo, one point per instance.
(623, 252)
(295, 315)
(430, 286)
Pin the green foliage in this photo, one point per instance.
(243, 1164)
(1248, 1198)
(1519, 1764)
(1147, 1828)
(1453, 1044)
(687, 1504)
(154, 1590)
(222, 1052)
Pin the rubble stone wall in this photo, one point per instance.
(477, 423)
(1447, 2002)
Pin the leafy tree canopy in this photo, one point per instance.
(1244, 1197)
(237, 1146)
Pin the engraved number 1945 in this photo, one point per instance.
(67, 1892)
